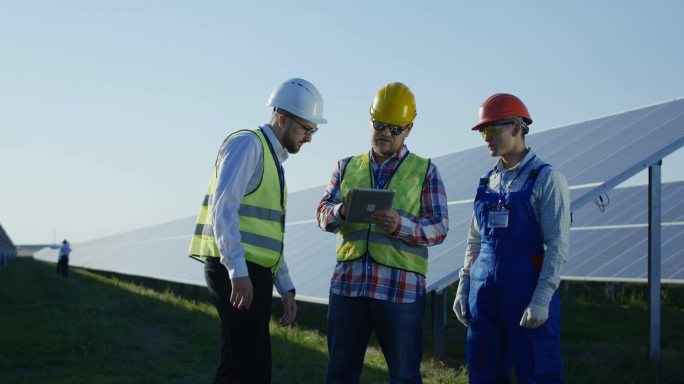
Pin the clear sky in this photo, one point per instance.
(111, 112)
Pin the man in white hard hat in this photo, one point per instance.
(240, 230)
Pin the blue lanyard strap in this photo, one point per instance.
(502, 192)
(281, 171)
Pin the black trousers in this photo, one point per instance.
(246, 342)
(63, 266)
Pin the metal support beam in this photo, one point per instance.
(438, 321)
(654, 245)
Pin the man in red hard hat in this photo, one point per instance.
(517, 244)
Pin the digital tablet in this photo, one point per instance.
(364, 202)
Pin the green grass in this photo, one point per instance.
(92, 328)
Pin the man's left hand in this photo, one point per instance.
(289, 309)
(387, 220)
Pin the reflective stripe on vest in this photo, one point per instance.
(355, 239)
(262, 218)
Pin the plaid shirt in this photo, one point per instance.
(365, 277)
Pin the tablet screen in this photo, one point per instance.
(366, 201)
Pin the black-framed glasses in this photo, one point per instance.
(307, 130)
(395, 130)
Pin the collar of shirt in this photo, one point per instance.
(382, 173)
(277, 147)
(395, 156)
(501, 169)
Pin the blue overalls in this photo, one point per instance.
(502, 281)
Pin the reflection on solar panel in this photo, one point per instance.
(594, 156)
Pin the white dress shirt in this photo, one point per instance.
(64, 250)
(240, 170)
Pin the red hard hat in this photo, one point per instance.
(502, 106)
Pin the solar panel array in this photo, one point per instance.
(594, 156)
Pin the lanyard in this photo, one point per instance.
(281, 171)
(502, 192)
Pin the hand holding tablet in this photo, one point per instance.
(363, 202)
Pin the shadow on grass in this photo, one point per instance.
(90, 328)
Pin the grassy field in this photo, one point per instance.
(91, 328)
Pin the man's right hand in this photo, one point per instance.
(242, 292)
(344, 206)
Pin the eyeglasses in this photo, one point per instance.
(395, 130)
(307, 130)
(495, 128)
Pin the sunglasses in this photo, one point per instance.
(495, 128)
(307, 130)
(395, 130)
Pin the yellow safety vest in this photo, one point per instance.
(262, 215)
(355, 239)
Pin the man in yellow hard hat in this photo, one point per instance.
(240, 230)
(379, 279)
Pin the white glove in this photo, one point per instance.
(460, 308)
(461, 302)
(534, 316)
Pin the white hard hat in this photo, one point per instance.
(300, 98)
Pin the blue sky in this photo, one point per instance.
(111, 113)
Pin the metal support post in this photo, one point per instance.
(654, 248)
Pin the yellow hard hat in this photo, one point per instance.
(394, 104)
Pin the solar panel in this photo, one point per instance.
(158, 251)
(612, 245)
(594, 156)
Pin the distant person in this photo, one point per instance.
(63, 260)
(240, 230)
(379, 280)
(517, 244)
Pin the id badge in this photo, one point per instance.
(498, 218)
